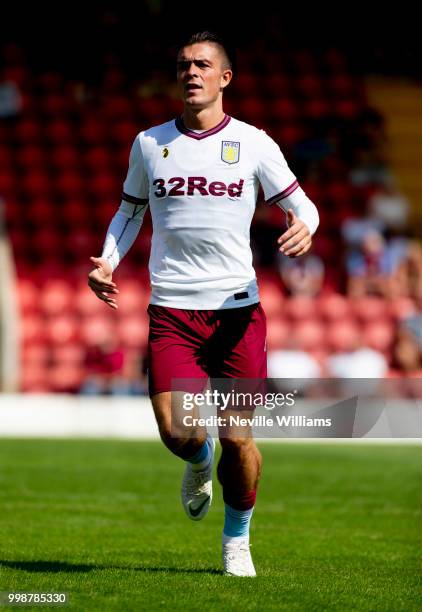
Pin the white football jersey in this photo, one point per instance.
(202, 189)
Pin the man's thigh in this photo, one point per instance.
(238, 349)
(173, 352)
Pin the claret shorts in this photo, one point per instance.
(202, 344)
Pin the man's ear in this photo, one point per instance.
(226, 77)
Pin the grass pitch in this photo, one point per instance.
(336, 527)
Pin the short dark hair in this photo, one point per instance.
(212, 37)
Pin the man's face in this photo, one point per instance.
(201, 74)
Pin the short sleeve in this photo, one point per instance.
(136, 185)
(275, 176)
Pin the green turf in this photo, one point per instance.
(336, 527)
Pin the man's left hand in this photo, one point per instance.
(297, 240)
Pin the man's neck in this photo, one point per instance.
(204, 119)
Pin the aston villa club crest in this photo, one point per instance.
(230, 151)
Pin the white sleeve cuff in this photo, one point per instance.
(303, 208)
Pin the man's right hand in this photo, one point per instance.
(99, 280)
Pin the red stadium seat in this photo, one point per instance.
(35, 379)
(339, 191)
(19, 240)
(56, 297)
(55, 105)
(251, 107)
(149, 109)
(278, 334)
(6, 157)
(299, 308)
(62, 329)
(59, 131)
(343, 336)
(309, 335)
(99, 328)
(114, 81)
(288, 135)
(131, 297)
(335, 60)
(104, 210)
(92, 132)
(13, 214)
(66, 378)
(28, 296)
(334, 307)
(304, 60)
(31, 158)
(341, 85)
(104, 185)
(316, 108)
(245, 84)
(76, 213)
(283, 109)
(71, 353)
(17, 74)
(64, 157)
(309, 85)
(346, 109)
(98, 159)
(117, 107)
(69, 184)
(40, 210)
(123, 132)
(278, 86)
(86, 302)
(50, 81)
(133, 331)
(370, 308)
(79, 245)
(27, 131)
(47, 243)
(34, 355)
(271, 298)
(8, 184)
(378, 335)
(36, 183)
(32, 329)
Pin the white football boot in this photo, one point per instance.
(237, 558)
(197, 488)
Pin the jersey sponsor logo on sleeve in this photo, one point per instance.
(195, 186)
(230, 151)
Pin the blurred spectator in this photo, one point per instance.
(351, 358)
(368, 141)
(359, 363)
(134, 380)
(304, 277)
(373, 265)
(388, 205)
(407, 356)
(409, 273)
(292, 364)
(292, 369)
(103, 363)
(10, 100)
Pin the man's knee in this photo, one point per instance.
(183, 442)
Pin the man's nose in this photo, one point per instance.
(191, 70)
